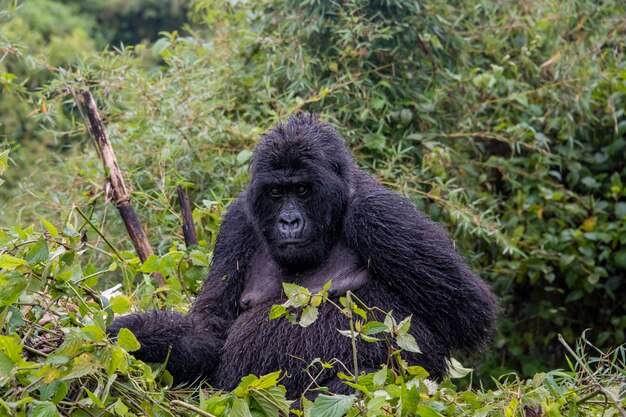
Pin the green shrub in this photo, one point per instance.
(503, 120)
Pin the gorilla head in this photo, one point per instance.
(301, 176)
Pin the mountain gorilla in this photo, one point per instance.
(310, 214)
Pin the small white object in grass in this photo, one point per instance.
(112, 292)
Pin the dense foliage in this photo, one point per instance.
(504, 120)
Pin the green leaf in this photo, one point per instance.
(69, 231)
(121, 304)
(11, 287)
(52, 231)
(9, 262)
(425, 411)
(266, 381)
(6, 365)
(272, 401)
(152, 264)
(620, 258)
(410, 399)
(380, 377)
(4, 158)
(332, 405)
(120, 408)
(309, 315)
(84, 364)
(277, 311)
(44, 409)
(369, 339)
(456, 369)
(37, 253)
(373, 327)
(198, 258)
(97, 401)
(620, 210)
(127, 340)
(407, 342)
(404, 325)
(240, 408)
(243, 156)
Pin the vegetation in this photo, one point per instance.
(503, 120)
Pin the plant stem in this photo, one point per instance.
(353, 338)
(608, 394)
(191, 407)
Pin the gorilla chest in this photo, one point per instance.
(265, 278)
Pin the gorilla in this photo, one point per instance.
(310, 214)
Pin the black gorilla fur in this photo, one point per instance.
(411, 261)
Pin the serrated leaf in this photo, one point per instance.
(9, 262)
(272, 401)
(309, 315)
(121, 304)
(127, 340)
(240, 408)
(380, 377)
(6, 365)
(332, 405)
(404, 325)
(417, 371)
(277, 311)
(11, 287)
(198, 258)
(84, 364)
(44, 409)
(407, 342)
(410, 399)
(266, 381)
(373, 327)
(426, 411)
(12, 347)
(52, 231)
(37, 253)
(152, 264)
(292, 290)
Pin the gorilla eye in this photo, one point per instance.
(301, 190)
(275, 192)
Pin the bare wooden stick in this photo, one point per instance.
(114, 176)
(189, 231)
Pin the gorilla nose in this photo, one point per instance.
(290, 224)
(244, 304)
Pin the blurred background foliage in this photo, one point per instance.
(502, 119)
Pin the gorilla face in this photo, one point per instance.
(298, 192)
(297, 214)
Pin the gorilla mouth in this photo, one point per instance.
(293, 242)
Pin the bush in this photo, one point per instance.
(505, 121)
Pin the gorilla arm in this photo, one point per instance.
(196, 339)
(415, 256)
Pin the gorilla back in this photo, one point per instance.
(307, 201)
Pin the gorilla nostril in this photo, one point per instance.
(290, 223)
